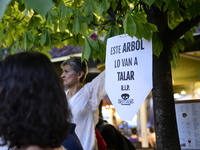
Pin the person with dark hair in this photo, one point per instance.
(83, 99)
(113, 137)
(34, 113)
(134, 136)
(72, 141)
(152, 137)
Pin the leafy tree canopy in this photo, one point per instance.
(40, 25)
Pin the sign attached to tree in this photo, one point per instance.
(128, 73)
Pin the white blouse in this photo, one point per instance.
(84, 108)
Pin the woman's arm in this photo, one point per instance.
(96, 89)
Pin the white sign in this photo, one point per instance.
(188, 121)
(128, 73)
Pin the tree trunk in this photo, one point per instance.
(163, 102)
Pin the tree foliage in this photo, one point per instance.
(40, 25)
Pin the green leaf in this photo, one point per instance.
(173, 4)
(30, 36)
(140, 30)
(8, 10)
(150, 2)
(174, 61)
(157, 44)
(29, 44)
(158, 3)
(35, 21)
(54, 13)
(94, 54)
(129, 25)
(85, 19)
(89, 7)
(108, 35)
(57, 2)
(76, 26)
(103, 7)
(181, 46)
(175, 53)
(102, 51)
(112, 32)
(48, 39)
(9, 40)
(193, 9)
(164, 7)
(176, 16)
(141, 17)
(86, 50)
(188, 36)
(24, 42)
(49, 20)
(47, 54)
(63, 12)
(40, 6)
(147, 32)
(13, 50)
(21, 7)
(84, 28)
(1, 34)
(80, 40)
(177, 47)
(62, 26)
(93, 44)
(90, 18)
(55, 27)
(43, 39)
(69, 12)
(85, 8)
(3, 6)
(152, 27)
(93, 6)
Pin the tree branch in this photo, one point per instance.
(185, 26)
(159, 18)
(136, 6)
(113, 15)
(118, 6)
(105, 22)
(66, 38)
(20, 19)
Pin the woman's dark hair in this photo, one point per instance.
(151, 129)
(134, 131)
(33, 106)
(77, 65)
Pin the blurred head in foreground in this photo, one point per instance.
(33, 106)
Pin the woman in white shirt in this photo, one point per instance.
(83, 99)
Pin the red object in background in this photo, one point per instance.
(100, 141)
(94, 36)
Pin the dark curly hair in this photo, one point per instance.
(134, 131)
(33, 106)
